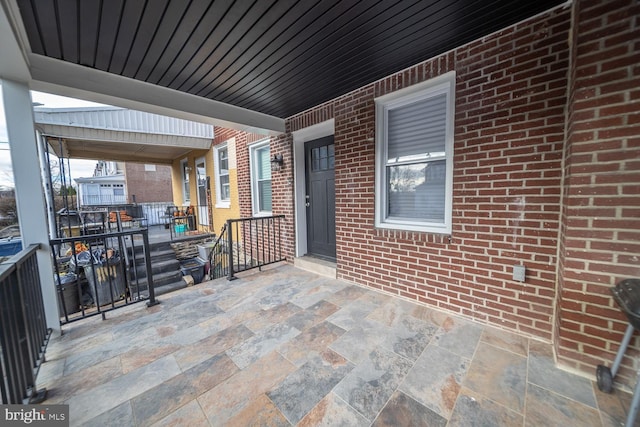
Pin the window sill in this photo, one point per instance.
(414, 228)
(223, 205)
(414, 235)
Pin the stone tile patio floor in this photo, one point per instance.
(286, 347)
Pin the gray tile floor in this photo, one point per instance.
(286, 347)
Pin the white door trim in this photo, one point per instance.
(299, 138)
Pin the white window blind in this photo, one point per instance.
(414, 148)
(415, 161)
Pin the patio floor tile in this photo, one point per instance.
(229, 398)
(370, 385)
(188, 415)
(546, 408)
(435, 379)
(310, 343)
(458, 336)
(402, 410)
(85, 406)
(364, 338)
(409, 336)
(472, 409)
(333, 411)
(312, 315)
(541, 364)
(304, 388)
(499, 375)
(165, 398)
(286, 347)
(350, 315)
(120, 416)
(506, 340)
(259, 412)
(254, 348)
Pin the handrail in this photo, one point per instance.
(246, 243)
(23, 330)
(10, 265)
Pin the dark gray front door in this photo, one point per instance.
(320, 197)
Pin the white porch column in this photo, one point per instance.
(29, 190)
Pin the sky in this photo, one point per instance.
(79, 167)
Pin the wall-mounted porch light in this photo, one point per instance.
(276, 162)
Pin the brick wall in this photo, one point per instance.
(509, 130)
(546, 173)
(601, 209)
(148, 186)
(281, 181)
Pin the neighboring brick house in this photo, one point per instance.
(536, 162)
(148, 183)
(125, 183)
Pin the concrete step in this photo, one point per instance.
(160, 279)
(316, 265)
(158, 255)
(170, 287)
(157, 267)
(153, 247)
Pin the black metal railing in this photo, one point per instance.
(23, 329)
(179, 221)
(246, 243)
(98, 273)
(188, 221)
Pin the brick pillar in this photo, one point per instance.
(600, 232)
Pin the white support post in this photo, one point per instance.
(29, 189)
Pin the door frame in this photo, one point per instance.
(203, 208)
(299, 138)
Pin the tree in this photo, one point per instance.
(8, 211)
(68, 190)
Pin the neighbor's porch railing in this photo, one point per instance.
(98, 273)
(102, 199)
(23, 330)
(246, 243)
(179, 221)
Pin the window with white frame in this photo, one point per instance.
(260, 163)
(118, 189)
(223, 186)
(414, 157)
(184, 168)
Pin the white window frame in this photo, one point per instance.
(220, 202)
(184, 174)
(437, 86)
(254, 177)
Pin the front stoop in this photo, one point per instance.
(316, 265)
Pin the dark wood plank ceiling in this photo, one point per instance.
(278, 57)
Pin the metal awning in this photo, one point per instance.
(120, 134)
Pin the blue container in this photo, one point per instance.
(11, 246)
(194, 267)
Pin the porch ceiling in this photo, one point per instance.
(276, 57)
(75, 148)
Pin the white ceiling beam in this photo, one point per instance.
(67, 79)
(13, 65)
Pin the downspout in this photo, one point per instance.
(45, 170)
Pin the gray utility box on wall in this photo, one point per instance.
(519, 272)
